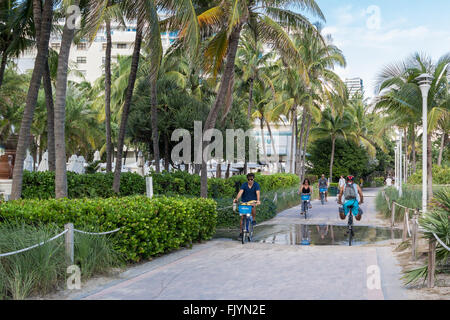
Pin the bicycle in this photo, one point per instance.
(306, 197)
(350, 232)
(245, 209)
(322, 194)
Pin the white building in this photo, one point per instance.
(354, 85)
(89, 60)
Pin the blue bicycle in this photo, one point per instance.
(322, 194)
(306, 197)
(245, 210)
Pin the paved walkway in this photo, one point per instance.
(226, 269)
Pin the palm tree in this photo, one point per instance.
(399, 83)
(333, 125)
(267, 19)
(102, 12)
(35, 82)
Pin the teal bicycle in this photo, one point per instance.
(245, 210)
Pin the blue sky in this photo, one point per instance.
(374, 33)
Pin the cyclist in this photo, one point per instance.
(249, 191)
(353, 197)
(323, 184)
(306, 188)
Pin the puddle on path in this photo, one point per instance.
(315, 234)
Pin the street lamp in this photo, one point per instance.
(400, 164)
(424, 81)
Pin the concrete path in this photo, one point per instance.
(226, 269)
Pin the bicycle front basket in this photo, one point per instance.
(306, 197)
(245, 209)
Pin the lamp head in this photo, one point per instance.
(424, 79)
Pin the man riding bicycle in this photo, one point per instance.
(353, 197)
(249, 191)
(323, 184)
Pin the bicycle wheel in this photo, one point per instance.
(250, 230)
(322, 198)
(350, 228)
(306, 208)
(243, 229)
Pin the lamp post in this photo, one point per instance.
(424, 81)
(400, 165)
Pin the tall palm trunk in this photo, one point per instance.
(109, 149)
(291, 155)
(298, 154)
(429, 168)
(60, 111)
(263, 138)
(127, 104)
(274, 151)
(227, 77)
(441, 149)
(30, 104)
(166, 152)
(250, 99)
(413, 148)
(50, 118)
(227, 173)
(304, 148)
(333, 144)
(3, 66)
(154, 113)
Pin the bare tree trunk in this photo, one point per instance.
(227, 77)
(441, 149)
(154, 112)
(413, 148)
(298, 154)
(227, 173)
(429, 168)
(109, 149)
(30, 105)
(304, 148)
(60, 111)
(127, 104)
(166, 152)
(50, 118)
(250, 99)
(291, 155)
(219, 170)
(263, 138)
(333, 143)
(3, 66)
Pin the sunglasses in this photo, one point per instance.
(249, 179)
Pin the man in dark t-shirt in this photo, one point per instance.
(249, 191)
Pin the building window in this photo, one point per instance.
(104, 46)
(121, 46)
(81, 60)
(81, 46)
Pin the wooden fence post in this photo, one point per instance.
(393, 214)
(405, 226)
(414, 235)
(69, 242)
(431, 263)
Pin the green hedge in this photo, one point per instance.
(441, 175)
(148, 226)
(41, 184)
(379, 181)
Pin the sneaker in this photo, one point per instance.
(240, 236)
(254, 222)
(310, 206)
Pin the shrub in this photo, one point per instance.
(148, 226)
(379, 181)
(41, 184)
(441, 175)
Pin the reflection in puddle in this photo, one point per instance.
(320, 234)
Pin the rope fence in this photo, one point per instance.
(68, 232)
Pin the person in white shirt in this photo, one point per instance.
(388, 181)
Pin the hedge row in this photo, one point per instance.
(441, 175)
(148, 226)
(41, 184)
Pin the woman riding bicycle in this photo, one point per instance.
(306, 188)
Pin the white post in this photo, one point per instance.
(69, 242)
(424, 146)
(400, 167)
(149, 186)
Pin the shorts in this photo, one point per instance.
(354, 207)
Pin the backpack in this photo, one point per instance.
(349, 192)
